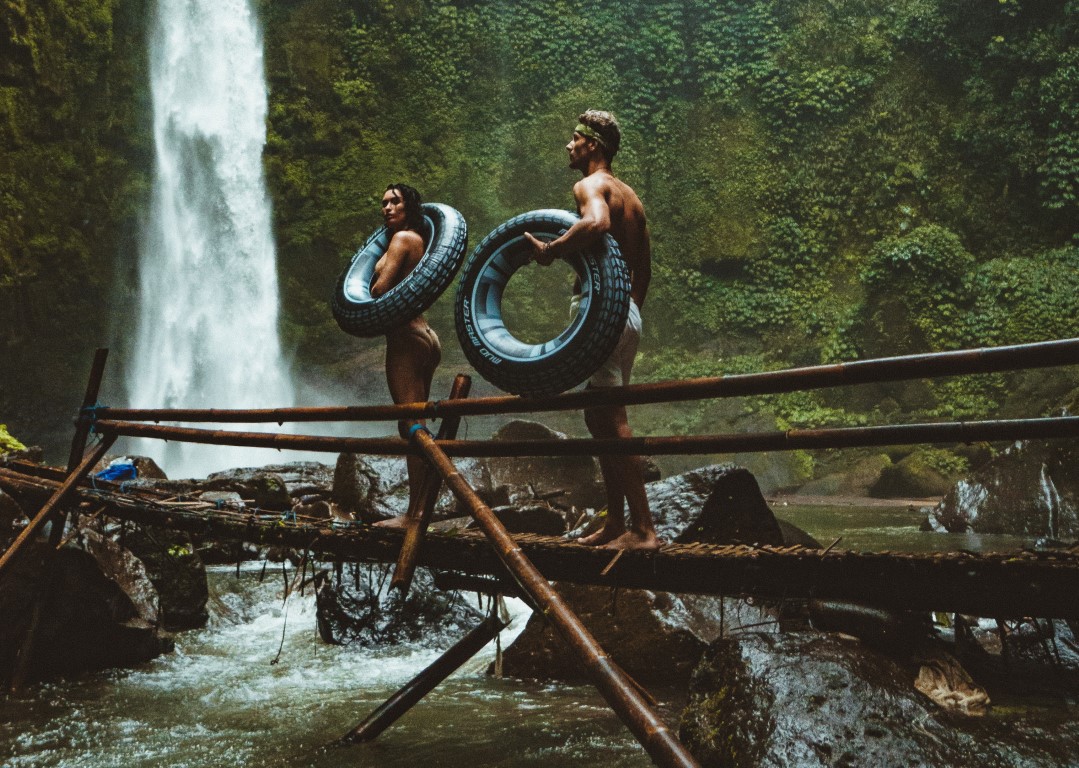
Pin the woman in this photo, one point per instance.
(412, 349)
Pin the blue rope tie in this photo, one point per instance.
(416, 428)
(92, 412)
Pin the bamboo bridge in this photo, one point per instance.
(1024, 583)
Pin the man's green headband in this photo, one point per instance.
(584, 130)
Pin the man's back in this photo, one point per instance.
(628, 225)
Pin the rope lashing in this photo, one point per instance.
(416, 428)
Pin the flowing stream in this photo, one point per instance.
(218, 700)
(207, 327)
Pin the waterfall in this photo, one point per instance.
(207, 322)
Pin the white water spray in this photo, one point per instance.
(207, 333)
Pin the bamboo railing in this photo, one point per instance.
(1043, 354)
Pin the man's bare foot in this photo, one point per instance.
(648, 542)
(394, 522)
(602, 536)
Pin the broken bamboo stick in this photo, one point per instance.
(618, 690)
(415, 689)
(59, 497)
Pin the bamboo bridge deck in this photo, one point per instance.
(1021, 583)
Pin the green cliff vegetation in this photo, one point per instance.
(74, 165)
(824, 180)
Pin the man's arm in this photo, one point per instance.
(594, 223)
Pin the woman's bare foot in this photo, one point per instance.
(395, 522)
(648, 542)
(603, 536)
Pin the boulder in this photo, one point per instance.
(264, 489)
(355, 607)
(1030, 489)
(100, 609)
(856, 481)
(355, 487)
(304, 478)
(734, 512)
(911, 477)
(656, 637)
(809, 699)
(176, 570)
(569, 481)
(538, 517)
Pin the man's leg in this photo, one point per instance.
(624, 481)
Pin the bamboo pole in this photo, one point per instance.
(1043, 354)
(752, 442)
(445, 665)
(58, 498)
(432, 484)
(619, 691)
(85, 421)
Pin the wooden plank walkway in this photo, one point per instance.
(1014, 584)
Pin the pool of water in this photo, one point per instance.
(882, 529)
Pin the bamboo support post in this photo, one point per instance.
(423, 683)
(58, 498)
(790, 440)
(432, 484)
(1043, 354)
(618, 690)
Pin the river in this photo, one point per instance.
(218, 700)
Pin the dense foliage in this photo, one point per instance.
(824, 180)
(74, 166)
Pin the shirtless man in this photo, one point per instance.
(608, 205)
(412, 349)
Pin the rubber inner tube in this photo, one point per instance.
(572, 356)
(356, 312)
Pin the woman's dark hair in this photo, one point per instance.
(413, 206)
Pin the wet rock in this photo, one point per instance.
(911, 477)
(99, 609)
(529, 518)
(677, 501)
(354, 607)
(734, 512)
(265, 490)
(1030, 489)
(949, 686)
(392, 497)
(565, 480)
(857, 481)
(176, 571)
(809, 699)
(304, 478)
(656, 637)
(356, 487)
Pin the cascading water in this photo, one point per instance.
(207, 332)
